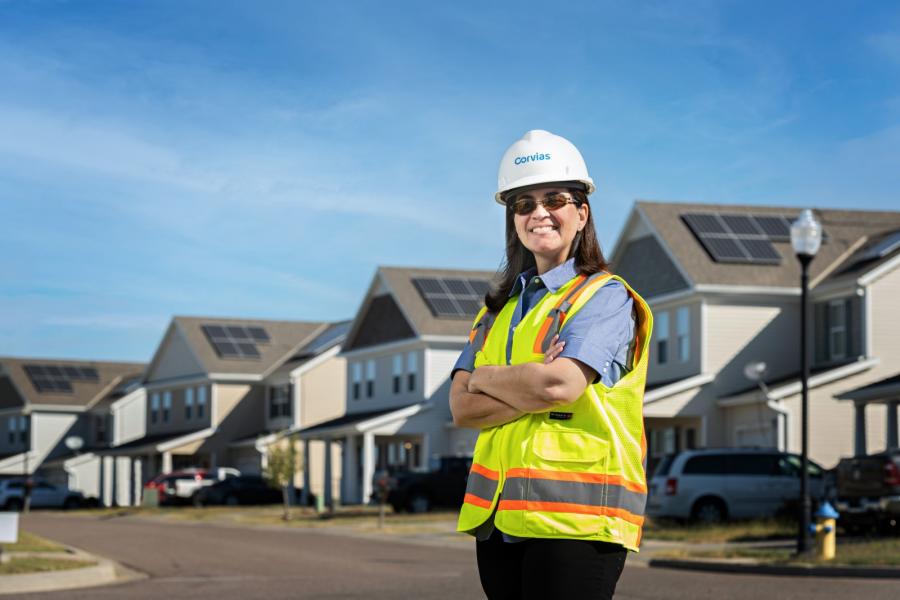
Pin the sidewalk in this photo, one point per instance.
(100, 572)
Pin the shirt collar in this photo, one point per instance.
(553, 279)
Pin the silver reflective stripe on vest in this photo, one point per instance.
(557, 313)
(574, 492)
(481, 486)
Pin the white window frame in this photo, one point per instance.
(662, 336)
(837, 351)
(188, 403)
(154, 407)
(683, 333)
(397, 378)
(412, 367)
(370, 378)
(356, 380)
(201, 401)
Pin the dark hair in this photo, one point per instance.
(585, 248)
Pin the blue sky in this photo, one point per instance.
(261, 159)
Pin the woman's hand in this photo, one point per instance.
(555, 349)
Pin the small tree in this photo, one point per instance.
(279, 472)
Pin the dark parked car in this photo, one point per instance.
(242, 490)
(417, 492)
(868, 490)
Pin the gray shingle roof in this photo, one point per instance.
(84, 393)
(285, 338)
(847, 231)
(399, 280)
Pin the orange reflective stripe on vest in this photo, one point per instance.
(553, 323)
(481, 486)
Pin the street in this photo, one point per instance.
(200, 561)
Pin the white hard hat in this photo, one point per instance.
(541, 157)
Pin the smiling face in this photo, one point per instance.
(548, 234)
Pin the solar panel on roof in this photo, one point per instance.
(235, 341)
(72, 372)
(258, 334)
(882, 248)
(89, 374)
(777, 228)
(704, 223)
(452, 297)
(52, 378)
(735, 238)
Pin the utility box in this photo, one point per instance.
(9, 531)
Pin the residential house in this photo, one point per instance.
(56, 411)
(724, 287)
(211, 388)
(399, 351)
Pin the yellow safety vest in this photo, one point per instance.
(576, 472)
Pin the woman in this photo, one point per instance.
(553, 377)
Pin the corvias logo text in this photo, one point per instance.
(521, 160)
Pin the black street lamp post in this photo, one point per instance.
(806, 237)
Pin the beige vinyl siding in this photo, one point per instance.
(176, 358)
(738, 334)
(177, 421)
(321, 392)
(885, 329)
(752, 425)
(674, 368)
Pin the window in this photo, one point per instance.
(154, 408)
(167, 407)
(662, 338)
(100, 429)
(356, 370)
(23, 429)
(370, 378)
(683, 333)
(411, 367)
(837, 329)
(710, 464)
(753, 464)
(398, 372)
(11, 423)
(188, 403)
(279, 401)
(201, 402)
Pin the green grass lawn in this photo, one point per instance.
(20, 566)
(740, 531)
(866, 552)
(28, 542)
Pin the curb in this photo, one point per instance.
(103, 573)
(754, 568)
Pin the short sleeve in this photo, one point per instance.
(600, 333)
(466, 360)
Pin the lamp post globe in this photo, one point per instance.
(806, 237)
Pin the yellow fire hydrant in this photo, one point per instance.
(826, 531)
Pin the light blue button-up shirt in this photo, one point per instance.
(598, 335)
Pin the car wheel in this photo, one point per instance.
(71, 503)
(13, 504)
(231, 501)
(196, 500)
(709, 511)
(419, 503)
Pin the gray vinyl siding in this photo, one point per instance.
(383, 395)
(383, 322)
(674, 368)
(177, 421)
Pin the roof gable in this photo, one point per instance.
(397, 283)
(83, 393)
(284, 339)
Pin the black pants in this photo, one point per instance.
(545, 569)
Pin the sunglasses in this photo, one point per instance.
(524, 205)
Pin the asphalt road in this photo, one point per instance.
(201, 561)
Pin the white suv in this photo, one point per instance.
(713, 485)
(43, 495)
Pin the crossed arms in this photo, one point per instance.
(494, 395)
